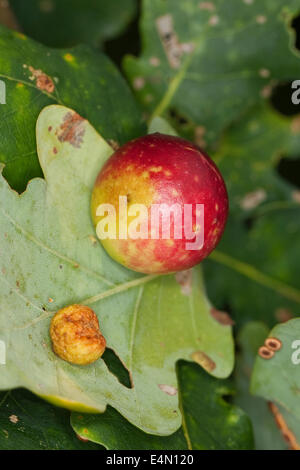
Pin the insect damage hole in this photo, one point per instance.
(116, 367)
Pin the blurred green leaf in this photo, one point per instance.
(267, 434)
(29, 423)
(278, 380)
(210, 62)
(35, 77)
(65, 23)
(255, 270)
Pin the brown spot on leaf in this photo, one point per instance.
(199, 136)
(274, 344)
(209, 6)
(46, 6)
(264, 73)
(265, 352)
(295, 125)
(13, 419)
(71, 130)
(266, 91)
(138, 83)
(173, 48)
(55, 150)
(83, 439)
(283, 315)
(93, 239)
(114, 144)
(221, 317)
(214, 20)
(168, 389)
(185, 279)
(261, 19)
(43, 81)
(287, 434)
(154, 61)
(253, 199)
(204, 360)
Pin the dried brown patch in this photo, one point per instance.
(295, 125)
(264, 73)
(43, 81)
(265, 352)
(274, 344)
(214, 20)
(266, 92)
(283, 315)
(71, 130)
(221, 317)
(261, 19)
(204, 360)
(168, 389)
(138, 83)
(173, 48)
(287, 434)
(253, 199)
(154, 61)
(13, 419)
(93, 239)
(114, 144)
(185, 280)
(209, 6)
(199, 136)
(83, 439)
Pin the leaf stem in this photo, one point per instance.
(120, 288)
(172, 88)
(252, 273)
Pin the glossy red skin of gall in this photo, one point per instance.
(157, 169)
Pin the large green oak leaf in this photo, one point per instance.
(51, 258)
(229, 427)
(29, 423)
(277, 380)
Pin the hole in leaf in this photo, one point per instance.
(281, 99)
(177, 118)
(116, 367)
(296, 26)
(289, 169)
(249, 222)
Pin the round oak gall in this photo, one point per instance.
(76, 336)
(159, 187)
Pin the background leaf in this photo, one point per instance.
(267, 434)
(254, 270)
(65, 23)
(29, 423)
(35, 77)
(278, 379)
(209, 62)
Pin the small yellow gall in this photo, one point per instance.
(76, 336)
